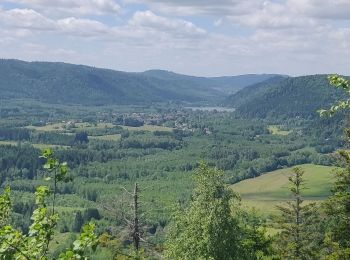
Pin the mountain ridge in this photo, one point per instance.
(289, 97)
(65, 83)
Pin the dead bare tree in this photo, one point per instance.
(136, 228)
(126, 211)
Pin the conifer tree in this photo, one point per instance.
(338, 212)
(338, 205)
(299, 224)
(78, 222)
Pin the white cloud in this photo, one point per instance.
(25, 19)
(203, 7)
(81, 27)
(148, 19)
(227, 37)
(322, 9)
(72, 7)
(274, 16)
(334, 9)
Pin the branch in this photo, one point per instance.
(17, 249)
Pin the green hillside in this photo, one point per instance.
(66, 83)
(244, 95)
(290, 97)
(227, 84)
(266, 191)
(76, 84)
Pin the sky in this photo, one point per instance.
(194, 37)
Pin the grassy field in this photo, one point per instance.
(39, 146)
(115, 137)
(275, 130)
(270, 189)
(150, 128)
(62, 127)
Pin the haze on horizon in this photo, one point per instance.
(195, 37)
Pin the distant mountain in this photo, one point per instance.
(226, 84)
(285, 97)
(254, 90)
(232, 84)
(76, 84)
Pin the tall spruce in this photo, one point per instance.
(338, 212)
(338, 204)
(299, 237)
(206, 229)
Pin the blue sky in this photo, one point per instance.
(196, 37)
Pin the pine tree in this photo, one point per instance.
(299, 224)
(78, 222)
(206, 229)
(338, 205)
(338, 212)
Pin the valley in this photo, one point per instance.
(174, 130)
(159, 145)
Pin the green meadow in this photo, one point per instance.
(59, 127)
(275, 130)
(268, 190)
(150, 128)
(39, 146)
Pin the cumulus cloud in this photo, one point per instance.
(148, 19)
(81, 27)
(203, 7)
(322, 9)
(25, 18)
(25, 21)
(273, 15)
(312, 9)
(76, 7)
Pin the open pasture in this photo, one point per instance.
(268, 190)
(275, 130)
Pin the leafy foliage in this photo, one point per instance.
(5, 206)
(87, 240)
(35, 245)
(341, 83)
(208, 228)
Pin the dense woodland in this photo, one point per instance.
(73, 84)
(285, 97)
(184, 161)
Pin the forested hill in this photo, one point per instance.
(67, 84)
(227, 84)
(254, 90)
(285, 97)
